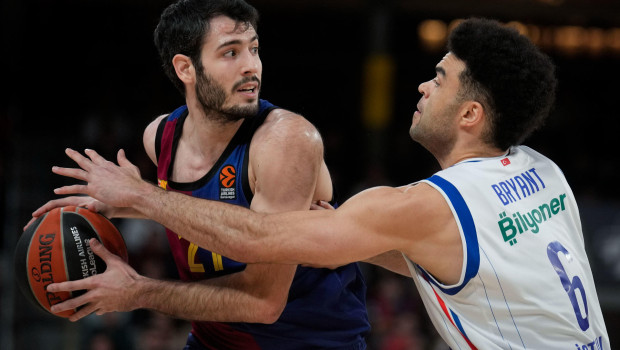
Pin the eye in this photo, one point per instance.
(254, 50)
(436, 82)
(230, 53)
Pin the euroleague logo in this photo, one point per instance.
(228, 178)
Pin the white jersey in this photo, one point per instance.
(526, 282)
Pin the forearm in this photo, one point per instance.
(317, 237)
(188, 300)
(124, 213)
(232, 298)
(216, 226)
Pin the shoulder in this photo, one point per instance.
(151, 129)
(148, 138)
(283, 127)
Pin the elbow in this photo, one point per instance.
(248, 252)
(269, 312)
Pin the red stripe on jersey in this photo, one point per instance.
(445, 311)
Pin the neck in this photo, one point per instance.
(460, 153)
(208, 133)
(464, 156)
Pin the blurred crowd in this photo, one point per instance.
(122, 88)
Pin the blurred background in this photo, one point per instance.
(86, 74)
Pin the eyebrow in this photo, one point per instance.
(441, 71)
(236, 42)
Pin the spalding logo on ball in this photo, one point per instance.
(55, 248)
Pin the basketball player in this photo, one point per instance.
(226, 144)
(493, 240)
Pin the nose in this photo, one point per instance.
(251, 64)
(423, 88)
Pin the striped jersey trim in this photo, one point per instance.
(466, 223)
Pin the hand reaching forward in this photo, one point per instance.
(107, 182)
(78, 201)
(321, 205)
(113, 290)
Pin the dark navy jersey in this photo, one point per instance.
(326, 308)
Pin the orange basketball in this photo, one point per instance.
(55, 248)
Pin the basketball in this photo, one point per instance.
(55, 248)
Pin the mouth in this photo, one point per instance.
(250, 87)
(249, 92)
(417, 114)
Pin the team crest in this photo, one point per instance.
(228, 178)
(162, 183)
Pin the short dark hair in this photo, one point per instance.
(184, 24)
(508, 74)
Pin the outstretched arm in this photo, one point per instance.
(415, 220)
(371, 223)
(321, 237)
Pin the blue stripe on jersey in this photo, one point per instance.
(449, 329)
(457, 322)
(177, 113)
(469, 232)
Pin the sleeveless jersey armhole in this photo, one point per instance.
(256, 123)
(158, 136)
(467, 229)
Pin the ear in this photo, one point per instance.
(472, 114)
(184, 68)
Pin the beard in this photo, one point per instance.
(212, 98)
(434, 132)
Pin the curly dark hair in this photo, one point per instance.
(508, 75)
(184, 25)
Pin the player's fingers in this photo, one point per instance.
(45, 208)
(124, 162)
(57, 203)
(33, 219)
(318, 205)
(94, 156)
(83, 312)
(94, 207)
(121, 158)
(70, 286)
(75, 173)
(101, 250)
(77, 157)
(326, 205)
(73, 189)
(69, 304)
(101, 312)
(314, 206)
